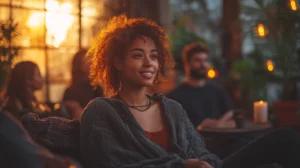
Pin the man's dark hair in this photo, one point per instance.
(191, 49)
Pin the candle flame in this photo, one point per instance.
(261, 102)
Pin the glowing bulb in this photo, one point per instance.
(261, 30)
(270, 65)
(270, 68)
(211, 74)
(293, 5)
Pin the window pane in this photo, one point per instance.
(90, 28)
(4, 13)
(60, 64)
(62, 30)
(37, 56)
(34, 55)
(93, 8)
(36, 4)
(4, 1)
(70, 6)
(31, 27)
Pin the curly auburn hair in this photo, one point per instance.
(113, 42)
(191, 49)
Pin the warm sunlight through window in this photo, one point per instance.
(58, 21)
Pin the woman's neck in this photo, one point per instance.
(134, 96)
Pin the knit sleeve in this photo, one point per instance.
(101, 146)
(54, 132)
(196, 145)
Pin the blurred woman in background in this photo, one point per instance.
(80, 89)
(24, 81)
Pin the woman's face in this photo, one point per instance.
(37, 82)
(140, 64)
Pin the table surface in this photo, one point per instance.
(249, 127)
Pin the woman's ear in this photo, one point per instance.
(118, 64)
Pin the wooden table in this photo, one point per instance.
(225, 141)
(250, 127)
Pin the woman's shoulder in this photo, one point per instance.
(100, 106)
(174, 109)
(172, 103)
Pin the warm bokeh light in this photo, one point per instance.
(58, 21)
(270, 65)
(261, 102)
(270, 68)
(261, 30)
(35, 20)
(293, 5)
(211, 74)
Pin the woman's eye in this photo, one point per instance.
(137, 55)
(154, 56)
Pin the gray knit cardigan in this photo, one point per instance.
(111, 137)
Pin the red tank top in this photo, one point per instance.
(162, 138)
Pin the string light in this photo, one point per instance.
(261, 30)
(211, 74)
(270, 65)
(293, 5)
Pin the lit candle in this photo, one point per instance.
(260, 112)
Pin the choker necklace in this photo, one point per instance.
(140, 108)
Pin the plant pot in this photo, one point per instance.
(287, 113)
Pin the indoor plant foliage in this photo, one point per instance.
(180, 37)
(281, 44)
(283, 40)
(8, 49)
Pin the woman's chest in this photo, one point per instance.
(151, 120)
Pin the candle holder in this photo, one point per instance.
(239, 117)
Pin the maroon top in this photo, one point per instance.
(162, 138)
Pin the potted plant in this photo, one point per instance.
(249, 77)
(281, 37)
(8, 51)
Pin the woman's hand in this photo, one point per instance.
(208, 123)
(74, 107)
(195, 163)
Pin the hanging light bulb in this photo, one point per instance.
(293, 5)
(270, 65)
(261, 30)
(211, 74)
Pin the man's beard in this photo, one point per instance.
(198, 73)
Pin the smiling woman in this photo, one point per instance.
(129, 42)
(133, 129)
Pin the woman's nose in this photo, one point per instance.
(147, 61)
